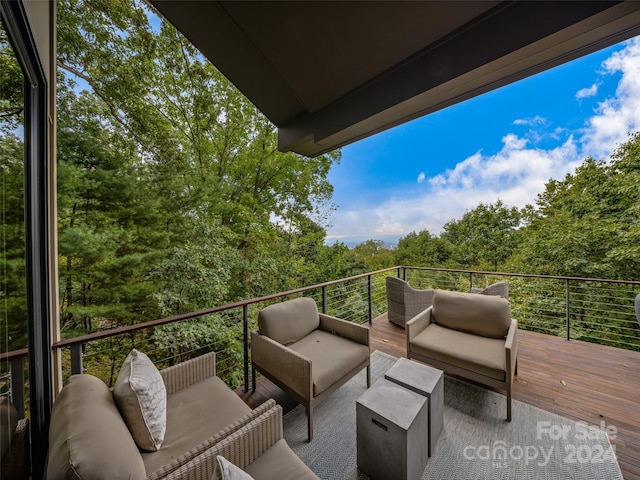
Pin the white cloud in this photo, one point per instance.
(592, 91)
(616, 117)
(535, 121)
(516, 174)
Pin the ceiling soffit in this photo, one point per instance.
(330, 73)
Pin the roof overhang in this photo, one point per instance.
(330, 73)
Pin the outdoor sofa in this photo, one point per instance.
(89, 438)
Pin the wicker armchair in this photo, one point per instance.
(16, 462)
(405, 302)
(638, 307)
(500, 289)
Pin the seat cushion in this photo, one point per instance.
(279, 462)
(485, 315)
(332, 357)
(482, 355)
(193, 415)
(88, 438)
(289, 321)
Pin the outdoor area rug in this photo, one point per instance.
(476, 442)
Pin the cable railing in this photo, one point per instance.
(593, 310)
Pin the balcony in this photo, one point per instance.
(579, 345)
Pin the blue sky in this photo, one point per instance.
(502, 145)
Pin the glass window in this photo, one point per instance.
(13, 296)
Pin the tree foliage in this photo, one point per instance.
(375, 254)
(584, 225)
(173, 197)
(484, 237)
(172, 194)
(13, 303)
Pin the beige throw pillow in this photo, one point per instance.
(229, 471)
(141, 397)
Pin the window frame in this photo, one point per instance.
(37, 237)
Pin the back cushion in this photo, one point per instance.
(483, 315)
(87, 437)
(289, 321)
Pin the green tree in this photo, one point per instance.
(623, 205)
(13, 306)
(110, 224)
(337, 261)
(569, 232)
(423, 250)
(11, 88)
(375, 254)
(162, 158)
(13, 312)
(485, 237)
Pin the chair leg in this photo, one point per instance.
(310, 422)
(368, 376)
(253, 378)
(509, 403)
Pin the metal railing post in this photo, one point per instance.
(16, 374)
(370, 299)
(568, 307)
(470, 281)
(324, 299)
(245, 327)
(404, 273)
(76, 358)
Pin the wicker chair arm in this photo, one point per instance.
(350, 330)
(16, 462)
(241, 447)
(185, 374)
(280, 362)
(200, 449)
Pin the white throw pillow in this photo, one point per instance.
(228, 471)
(141, 397)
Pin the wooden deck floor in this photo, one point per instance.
(581, 381)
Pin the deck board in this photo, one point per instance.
(578, 380)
